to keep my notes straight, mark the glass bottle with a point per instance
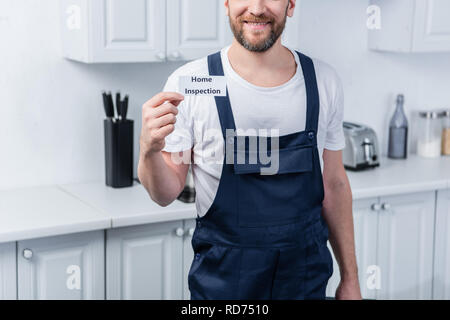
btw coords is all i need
(398, 132)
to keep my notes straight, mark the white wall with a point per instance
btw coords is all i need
(51, 128)
(335, 31)
(51, 108)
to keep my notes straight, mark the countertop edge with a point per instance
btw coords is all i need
(396, 190)
(57, 230)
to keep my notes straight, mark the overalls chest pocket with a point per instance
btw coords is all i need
(294, 159)
(275, 192)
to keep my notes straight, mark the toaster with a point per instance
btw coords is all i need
(361, 150)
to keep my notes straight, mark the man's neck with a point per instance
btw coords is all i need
(277, 56)
(278, 61)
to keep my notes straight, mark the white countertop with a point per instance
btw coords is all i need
(45, 211)
(401, 176)
(129, 206)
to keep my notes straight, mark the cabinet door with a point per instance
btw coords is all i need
(196, 28)
(365, 220)
(145, 262)
(62, 267)
(432, 26)
(441, 277)
(127, 31)
(8, 276)
(188, 255)
(405, 246)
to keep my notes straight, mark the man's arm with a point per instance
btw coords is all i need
(337, 211)
(162, 178)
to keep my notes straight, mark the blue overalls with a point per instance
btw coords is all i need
(264, 236)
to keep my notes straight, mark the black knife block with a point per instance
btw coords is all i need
(118, 153)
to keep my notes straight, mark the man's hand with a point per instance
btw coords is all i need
(162, 179)
(158, 119)
(348, 290)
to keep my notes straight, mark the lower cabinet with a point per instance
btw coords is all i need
(441, 276)
(405, 246)
(8, 276)
(394, 241)
(62, 267)
(147, 262)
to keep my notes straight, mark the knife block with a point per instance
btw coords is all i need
(118, 153)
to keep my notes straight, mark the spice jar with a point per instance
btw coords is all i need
(430, 135)
(445, 116)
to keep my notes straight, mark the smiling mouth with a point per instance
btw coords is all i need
(257, 25)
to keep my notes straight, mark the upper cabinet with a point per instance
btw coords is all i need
(113, 30)
(196, 28)
(412, 26)
(142, 30)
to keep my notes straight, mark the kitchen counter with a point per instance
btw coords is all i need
(46, 211)
(401, 176)
(129, 206)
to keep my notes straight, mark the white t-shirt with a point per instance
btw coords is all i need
(257, 110)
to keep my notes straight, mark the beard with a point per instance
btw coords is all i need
(262, 45)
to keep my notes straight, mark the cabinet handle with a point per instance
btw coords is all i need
(375, 207)
(27, 254)
(386, 206)
(161, 56)
(175, 55)
(179, 232)
(191, 231)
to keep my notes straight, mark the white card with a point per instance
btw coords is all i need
(203, 86)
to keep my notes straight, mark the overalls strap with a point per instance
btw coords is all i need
(312, 93)
(223, 103)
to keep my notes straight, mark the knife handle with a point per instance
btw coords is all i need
(118, 104)
(124, 108)
(110, 105)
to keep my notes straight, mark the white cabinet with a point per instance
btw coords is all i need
(405, 242)
(441, 276)
(8, 290)
(412, 26)
(142, 30)
(113, 30)
(145, 262)
(196, 28)
(394, 241)
(62, 267)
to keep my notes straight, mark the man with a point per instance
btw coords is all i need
(258, 236)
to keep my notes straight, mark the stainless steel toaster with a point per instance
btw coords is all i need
(362, 149)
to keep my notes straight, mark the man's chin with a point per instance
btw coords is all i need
(256, 39)
(257, 46)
